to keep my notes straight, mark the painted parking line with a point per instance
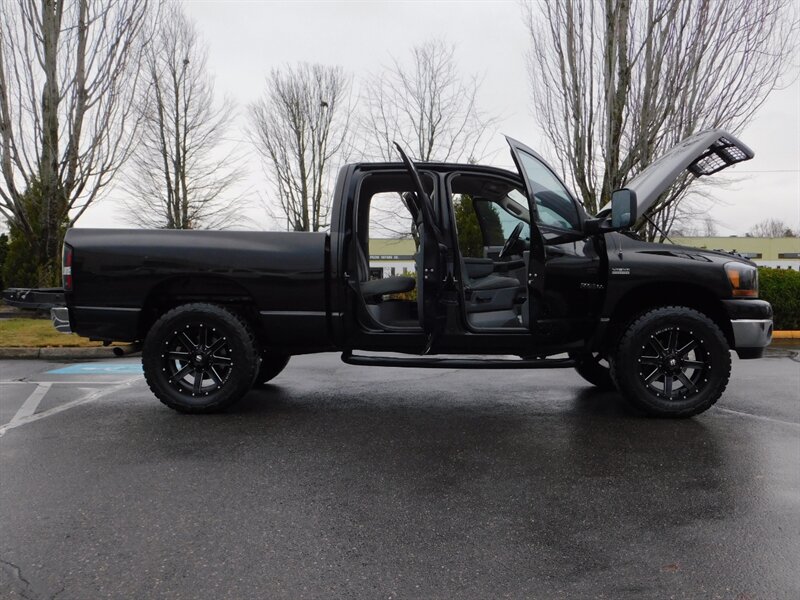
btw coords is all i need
(106, 391)
(99, 369)
(70, 382)
(31, 403)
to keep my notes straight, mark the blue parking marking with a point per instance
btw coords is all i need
(99, 369)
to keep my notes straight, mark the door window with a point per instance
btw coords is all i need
(554, 203)
(498, 223)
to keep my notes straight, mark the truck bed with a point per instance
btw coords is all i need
(120, 274)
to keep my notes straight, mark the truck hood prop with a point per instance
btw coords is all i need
(704, 153)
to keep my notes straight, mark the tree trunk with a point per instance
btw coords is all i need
(48, 238)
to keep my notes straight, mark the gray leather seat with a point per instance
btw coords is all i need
(487, 282)
(492, 282)
(490, 298)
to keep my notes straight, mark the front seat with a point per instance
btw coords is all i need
(487, 281)
(490, 299)
(372, 290)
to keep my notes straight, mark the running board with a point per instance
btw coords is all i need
(456, 363)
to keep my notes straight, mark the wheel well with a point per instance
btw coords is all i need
(647, 297)
(176, 291)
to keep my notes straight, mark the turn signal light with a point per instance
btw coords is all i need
(743, 279)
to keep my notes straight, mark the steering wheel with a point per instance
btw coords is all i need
(511, 241)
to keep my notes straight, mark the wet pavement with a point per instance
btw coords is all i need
(355, 482)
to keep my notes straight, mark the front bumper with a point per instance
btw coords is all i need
(752, 333)
(751, 323)
(60, 317)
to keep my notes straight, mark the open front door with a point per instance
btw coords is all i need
(536, 263)
(431, 260)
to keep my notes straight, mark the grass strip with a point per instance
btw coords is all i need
(38, 333)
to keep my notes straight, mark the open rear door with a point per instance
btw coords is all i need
(536, 267)
(431, 260)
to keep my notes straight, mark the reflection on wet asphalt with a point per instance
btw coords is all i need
(354, 482)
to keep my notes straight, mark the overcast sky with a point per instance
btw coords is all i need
(247, 39)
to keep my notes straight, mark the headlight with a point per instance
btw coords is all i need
(743, 278)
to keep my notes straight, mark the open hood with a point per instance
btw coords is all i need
(704, 153)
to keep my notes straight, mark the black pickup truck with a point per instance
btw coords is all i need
(546, 285)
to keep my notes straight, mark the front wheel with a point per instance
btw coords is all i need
(672, 362)
(199, 358)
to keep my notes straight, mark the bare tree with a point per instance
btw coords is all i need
(68, 77)
(428, 107)
(771, 228)
(180, 177)
(617, 83)
(301, 128)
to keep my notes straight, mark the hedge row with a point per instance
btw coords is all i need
(781, 288)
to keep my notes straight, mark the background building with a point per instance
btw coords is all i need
(392, 257)
(783, 253)
(396, 257)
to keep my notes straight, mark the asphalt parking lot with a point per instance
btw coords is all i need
(355, 482)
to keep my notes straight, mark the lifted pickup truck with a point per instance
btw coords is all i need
(219, 312)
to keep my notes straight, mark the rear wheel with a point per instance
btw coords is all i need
(672, 362)
(199, 358)
(594, 369)
(271, 366)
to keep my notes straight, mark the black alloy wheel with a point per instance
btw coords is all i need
(672, 362)
(199, 358)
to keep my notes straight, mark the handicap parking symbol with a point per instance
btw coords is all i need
(99, 369)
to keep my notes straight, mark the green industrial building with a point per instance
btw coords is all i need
(783, 253)
(396, 256)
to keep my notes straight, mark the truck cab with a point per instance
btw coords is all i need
(528, 277)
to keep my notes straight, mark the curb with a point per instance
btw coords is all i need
(62, 353)
(786, 335)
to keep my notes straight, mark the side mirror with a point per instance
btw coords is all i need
(623, 209)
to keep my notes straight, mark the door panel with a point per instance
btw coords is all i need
(575, 288)
(431, 261)
(570, 284)
(537, 256)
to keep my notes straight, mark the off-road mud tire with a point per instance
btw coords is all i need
(706, 367)
(233, 363)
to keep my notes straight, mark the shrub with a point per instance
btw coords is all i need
(781, 288)
(34, 251)
(20, 265)
(412, 295)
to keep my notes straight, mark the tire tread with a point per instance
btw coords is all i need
(221, 313)
(625, 342)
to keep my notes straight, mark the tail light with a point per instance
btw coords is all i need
(66, 269)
